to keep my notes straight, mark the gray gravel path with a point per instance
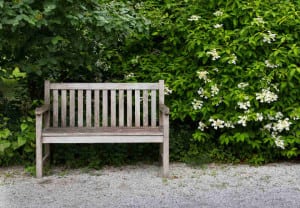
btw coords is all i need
(273, 185)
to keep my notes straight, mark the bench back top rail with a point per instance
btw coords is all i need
(104, 104)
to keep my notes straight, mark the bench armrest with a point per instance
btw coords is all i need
(44, 108)
(164, 109)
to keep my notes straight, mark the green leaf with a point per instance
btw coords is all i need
(4, 145)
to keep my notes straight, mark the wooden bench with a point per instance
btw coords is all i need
(102, 113)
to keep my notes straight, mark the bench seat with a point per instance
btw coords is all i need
(103, 135)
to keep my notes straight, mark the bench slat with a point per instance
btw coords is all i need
(121, 108)
(63, 108)
(137, 108)
(96, 108)
(55, 108)
(113, 108)
(104, 86)
(80, 108)
(104, 139)
(72, 108)
(153, 108)
(104, 108)
(129, 108)
(88, 105)
(145, 107)
(85, 131)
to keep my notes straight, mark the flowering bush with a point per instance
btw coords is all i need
(233, 68)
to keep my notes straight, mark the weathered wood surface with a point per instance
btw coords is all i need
(103, 113)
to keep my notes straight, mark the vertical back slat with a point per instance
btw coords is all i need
(113, 107)
(104, 108)
(153, 108)
(55, 108)
(72, 108)
(47, 100)
(80, 108)
(63, 108)
(88, 105)
(145, 107)
(161, 99)
(96, 108)
(129, 108)
(121, 108)
(137, 108)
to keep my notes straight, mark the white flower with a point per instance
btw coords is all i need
(279, 115)
(218, 13)
(270, 65)
(214, 90)
(215, 69)
(216, 26)
(201, 126)
(279, 142)
(194, 18)
(243, 120)
(197, 104)
(242, 85)
(295, 118)
(217, 123)
(259, 117)
(268, 126)
(282, 125)
(129, 75)
(214, 54)
(244, 105)
(229, 124)
(266, 96)
(167, 91)
(202, 74)
(233, 59)
(269, 37)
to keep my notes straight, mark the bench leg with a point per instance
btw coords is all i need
(165, 159)
(39, 160)
(39, 148)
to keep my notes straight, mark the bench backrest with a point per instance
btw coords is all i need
(104, 104)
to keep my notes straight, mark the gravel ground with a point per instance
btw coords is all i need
(273, 185)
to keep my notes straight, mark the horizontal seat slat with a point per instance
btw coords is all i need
(102, 131)
(104, 86)
(103, 139)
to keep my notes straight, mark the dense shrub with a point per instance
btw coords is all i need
(232, 67)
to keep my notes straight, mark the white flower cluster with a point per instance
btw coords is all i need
(167, 90)
(266, 96)
(278, 141)
(203, 75)
(201, 93)
(214, 54)
(295, 118)
(242, 85)
(194, 18)
(229, 124)
(243, 120)
(279, 126)
(282, 125)
(270, 65)
(218, 13)
(217, 123)
(269, 37)
(197, 104)
(259, 117)
(216, 26)
(233, 59)
(277, 116)
(244, 105)
(214, 90)
(201, 126)
(130, 75)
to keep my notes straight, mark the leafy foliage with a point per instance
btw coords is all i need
(233, 66)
